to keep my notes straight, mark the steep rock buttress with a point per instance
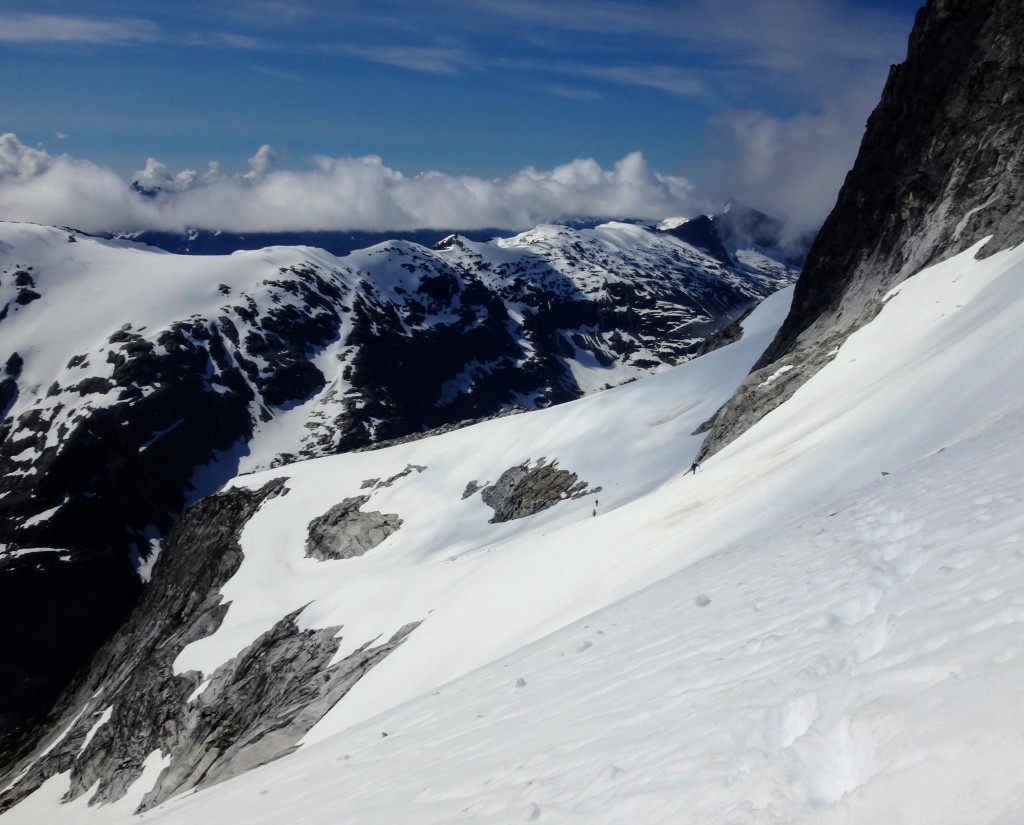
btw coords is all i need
(940, 167)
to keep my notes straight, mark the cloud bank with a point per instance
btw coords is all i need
(790, 167)
(337, 193)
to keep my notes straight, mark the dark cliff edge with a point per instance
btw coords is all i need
(940, 168)
(130, 703)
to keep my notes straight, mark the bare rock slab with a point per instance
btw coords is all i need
(523, 490)
(345, 531)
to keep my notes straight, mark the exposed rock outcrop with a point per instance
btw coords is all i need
(941, 166)
(725, 336)
(345, 531)
(523, 490)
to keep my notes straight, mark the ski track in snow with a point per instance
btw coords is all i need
(831, 630)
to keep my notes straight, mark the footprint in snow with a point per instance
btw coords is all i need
(859, 608)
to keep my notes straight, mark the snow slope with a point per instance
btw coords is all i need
(517, 580)
(822, 626)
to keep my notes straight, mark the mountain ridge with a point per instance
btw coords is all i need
(938, 169)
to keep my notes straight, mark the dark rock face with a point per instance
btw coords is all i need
(725, 336)
(202, 554)
(76, 602)
(742, 227)
(9, 383)
(345, 531)
(100, 482)
(257, 707)
(703, 234)
(402, 361)
(939, 168)
(524, 490)
(252, 709)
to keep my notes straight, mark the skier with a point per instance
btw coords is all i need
(693, 468)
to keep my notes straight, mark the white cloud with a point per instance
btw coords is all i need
(670, 79)
(232, 40)
(21, 162)
(338, 193)
(790, 167)
(572, 92)
(262, 163)
(52, 28)
(786, 38)
(55, 189)
(156, 175)
(430, 59)
(284, 74)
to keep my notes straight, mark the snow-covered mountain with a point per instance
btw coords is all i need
(136, 381)
(736, 227)
(822, 626)
(340, 243)
(544, 617)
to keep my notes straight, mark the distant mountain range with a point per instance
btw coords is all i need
(211, 242)
(737, 226)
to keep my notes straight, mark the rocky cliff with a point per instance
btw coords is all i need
(940, 168)
(131, 703)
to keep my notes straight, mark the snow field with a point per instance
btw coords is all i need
(517, 580)
(856, 667)
(822, 626)
(854, 657)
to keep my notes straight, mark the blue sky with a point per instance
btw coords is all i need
(734, 96)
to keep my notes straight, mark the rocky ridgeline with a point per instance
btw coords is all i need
(940, 168)
(524, 490)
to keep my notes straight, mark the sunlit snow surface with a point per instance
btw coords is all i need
(822, 626)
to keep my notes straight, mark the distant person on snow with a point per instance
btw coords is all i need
(693, 468)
